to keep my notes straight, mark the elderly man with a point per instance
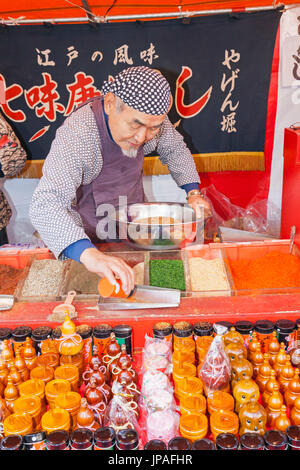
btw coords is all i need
(97, 156)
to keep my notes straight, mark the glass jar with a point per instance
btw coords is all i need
(104, 438)
(30, 404)
(54, 388)
(293, 437)
(203, 444)
(86, 333)
(179, 443)
(183, 337)
(56, 419)
(81, 439)
(203, 328)
(57, 440)
(155, 444)
(286, 332)
(252, 441)
(245, 328)
(275, 440)
(123, 335)
(227, 441)
(127, 439)
(36, 441)
(264, 330)
(101, 338)
(19, 335)
(18, 423)
(40, 334)
(12, 442)
(163, 330)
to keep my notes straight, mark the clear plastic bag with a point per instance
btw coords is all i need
(216, 371)
(157, 355)
(122, 412)
(162, 425)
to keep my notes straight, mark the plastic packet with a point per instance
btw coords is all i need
(122, 411)
(216, 371)
(163, 425)
(154, 380)
(157, 355)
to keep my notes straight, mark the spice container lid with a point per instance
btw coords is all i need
(105, 437)
(285, 325)
(275, 439)
(122, 331)
(227, 441)
(13, 442)
(203, 444)
(244, 327)
(293, 435)
(85, 331)
(298, 321)
(155, 444)
(18, 423)
(5, 333)
(56, 332)
(127, 439)
(162, 329)
(179, 443)
(57, 439)
(264, 326)
(203, 328)
(182, 329)
(35, 437)
(102, 331)
(20, 333)
(227, 324)
(252, 441)
(81, 438)
(41, 333)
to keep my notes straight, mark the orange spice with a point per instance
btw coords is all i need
(274, 270)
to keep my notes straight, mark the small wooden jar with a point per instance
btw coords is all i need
(32, 405)
(54, 388)
(18, 423)
(56, 419)
(70, 373)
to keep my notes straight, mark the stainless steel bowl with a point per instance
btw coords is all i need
(158, 225)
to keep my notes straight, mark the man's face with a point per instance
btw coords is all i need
(130, 128)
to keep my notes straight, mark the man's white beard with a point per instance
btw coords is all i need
(131, 153)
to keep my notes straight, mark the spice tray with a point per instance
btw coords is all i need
(39, 282)
(252, 251)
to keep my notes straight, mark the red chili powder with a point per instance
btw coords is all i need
(273, 270)
(9, 278)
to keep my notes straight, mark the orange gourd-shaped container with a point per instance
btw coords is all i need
(219, 400)
(69, 401)
(189, 387)
(10, 393)
(223, 421)
(70, 373)
(15, 376)
(282, 422)
(7, 352)
(56, 419)
(269, 387)
(253, 346)
(257, 359)
(113, 352)
(274, 348)
(286, 375)
(30, 404)
(192, 405)
(274, 405)
(280, 359)
(18, 423)
(3, 373)
(233, 336)
(264, 373)
(295, 412)
(85, 417)
(21, 366)
(29, 354)
(70, 342)
(54, 388)
(44, 373)
(293, 390)
(49, 359)
(193, 426)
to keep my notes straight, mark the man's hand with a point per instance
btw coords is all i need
(200, 205)
(110, 267)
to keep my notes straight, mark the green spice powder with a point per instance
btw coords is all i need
(167, 273)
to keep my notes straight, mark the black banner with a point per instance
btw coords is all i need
(218, 67)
